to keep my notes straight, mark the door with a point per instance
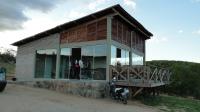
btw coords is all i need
(75, 67)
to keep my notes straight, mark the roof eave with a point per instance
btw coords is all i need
(90, 17)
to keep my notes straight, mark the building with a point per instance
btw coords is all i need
(83, 49)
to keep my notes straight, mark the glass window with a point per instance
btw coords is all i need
(45, 63)
(137, 59)
(88, 62)
(127, 58)
(120, 56)
(65, 63)
(113, 55)
(100, 62)
(123, 58)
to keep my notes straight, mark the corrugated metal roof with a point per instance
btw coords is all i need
(85, 19)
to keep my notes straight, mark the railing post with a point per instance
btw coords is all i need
(148, 72)
(128, 77)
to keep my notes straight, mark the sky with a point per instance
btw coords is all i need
(175, 24)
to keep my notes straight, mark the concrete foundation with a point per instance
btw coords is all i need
(94, 89)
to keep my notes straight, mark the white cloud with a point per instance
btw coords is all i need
(158, 39)
(197, 32)
(75, 14)
(196, 0)
(93, 5)
(180, 31)
(130, 3)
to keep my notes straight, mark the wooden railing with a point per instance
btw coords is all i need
(141, 76)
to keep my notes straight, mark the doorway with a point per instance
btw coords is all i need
(75, 67)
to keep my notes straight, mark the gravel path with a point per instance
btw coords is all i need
(18, 98)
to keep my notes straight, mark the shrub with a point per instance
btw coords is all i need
(185, 79)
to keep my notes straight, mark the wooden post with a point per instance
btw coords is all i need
(131, 50)
(144, 58)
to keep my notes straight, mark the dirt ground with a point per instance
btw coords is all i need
(18, 98)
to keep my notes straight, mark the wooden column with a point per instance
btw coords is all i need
(144, 58)
(131, 51)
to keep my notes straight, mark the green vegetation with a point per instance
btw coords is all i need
(172, 103)
(10, 67)
(185, 79)
(7, 60)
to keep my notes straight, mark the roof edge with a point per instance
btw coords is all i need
(86, 18)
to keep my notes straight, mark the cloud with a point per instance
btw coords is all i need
(197, 32)
(158, 40)
(73, 14)
(12, 11)
(196, 0)
(94, 4)
(97, 4)
(180, 31)
(130, 3)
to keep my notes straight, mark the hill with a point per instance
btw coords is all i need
(10, 68)
(185, 79)
(7, 60)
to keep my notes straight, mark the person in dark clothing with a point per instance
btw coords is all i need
(77, 70)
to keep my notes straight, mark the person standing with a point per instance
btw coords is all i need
(77, 70)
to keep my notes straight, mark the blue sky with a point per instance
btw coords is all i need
(174, 23)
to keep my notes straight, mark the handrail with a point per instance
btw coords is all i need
(140, 74)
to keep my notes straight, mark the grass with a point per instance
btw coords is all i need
(172, 103)
(10, 68)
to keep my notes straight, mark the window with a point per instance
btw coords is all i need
(65, 63)
(88, 62)
(120, 56)
(123, 57)
(137, 59)
(45, 63)
(118, 53)
(127, 58)
(113, 55)
(100, 62)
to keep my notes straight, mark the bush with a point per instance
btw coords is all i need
(7, 57)
(185, 79)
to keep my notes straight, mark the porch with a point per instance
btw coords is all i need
(140, 76)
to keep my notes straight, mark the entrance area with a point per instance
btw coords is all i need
(85, 63)
(75, 63)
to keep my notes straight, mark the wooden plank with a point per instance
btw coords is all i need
(138, 91)
(95, 30)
